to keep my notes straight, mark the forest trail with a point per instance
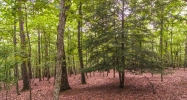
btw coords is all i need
(137, 87)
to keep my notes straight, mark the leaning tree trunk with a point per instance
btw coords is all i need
(83, 81)
(60, 52)
(25, 77)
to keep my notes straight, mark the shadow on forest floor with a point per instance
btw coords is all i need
(137, 87)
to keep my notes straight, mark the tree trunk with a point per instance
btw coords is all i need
(29, 46)
(46, 68)
(23, 51)
(171, 46)
(121, 73)
(161, 42)
(83, 81)
(60, 54)
(74, 69)
(64, 78)
(15, 52)
(185, 56)
(29, 55)
(39, 57)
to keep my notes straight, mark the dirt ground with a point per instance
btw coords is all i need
(99, 87)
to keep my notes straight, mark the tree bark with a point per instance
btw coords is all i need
(60, 53)
(29, 46)
(29, 55)
(171, 46)
(39, 57)
(15, 52)
(185, 55)
(121, 73)
(25, 77)
(161, 40)
(46, 68)
(64, 77)
(83, 81)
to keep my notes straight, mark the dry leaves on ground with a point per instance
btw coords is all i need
(99, 87)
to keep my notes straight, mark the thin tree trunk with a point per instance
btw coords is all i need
(15, 52)
(152, 48)
(161, 42)
(180, 57)
(185, 55)
(39, 57)
(171, 46)
(121, 73)
(29, 45)
(25, 77)
(29, 56)
(74, 69)
(116, 51)
(46, 68)
(83, 81)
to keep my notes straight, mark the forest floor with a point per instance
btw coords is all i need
(99, 87)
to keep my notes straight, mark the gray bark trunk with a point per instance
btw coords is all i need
(60, 51)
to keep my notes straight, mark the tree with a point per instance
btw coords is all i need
(39, 56)
(64, 78)
(29, 44)
(83, 81)
(121, 72)
(119, 32)
(15, 50)
(60, 51)
(24, 73)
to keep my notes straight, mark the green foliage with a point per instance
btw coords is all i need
(104, 39)
(101, 39)
(7, 63)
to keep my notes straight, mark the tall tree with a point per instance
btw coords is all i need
(25, 77)
(60, 51)
(185, 54)
(46, 72)
(161, 38)
(15, 50)
(83, 81)
(29, 43)
(121, 72)
(64, 77)
(39, 56)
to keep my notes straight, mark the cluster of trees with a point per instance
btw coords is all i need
(45, 38)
